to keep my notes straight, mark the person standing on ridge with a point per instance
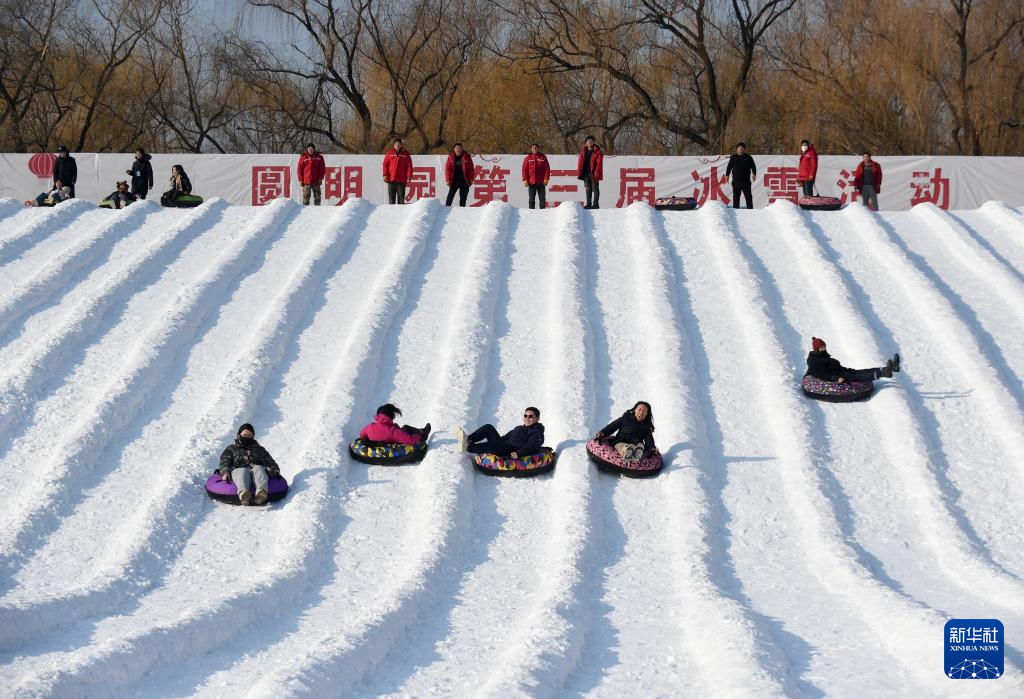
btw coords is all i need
(867, 179)
(397, 171)
(141, 173)
(458, 174)
(536, 173)
(311, 174)
(590, 169)
(808, 170)
(65, 170)
(744, 171)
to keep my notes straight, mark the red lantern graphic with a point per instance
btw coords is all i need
(41, 165)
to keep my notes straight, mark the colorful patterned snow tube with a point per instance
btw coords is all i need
(819, 203)
(604, 456)
(836, 392)
(387, 453)
(523, 467)
(226, 491)
(675, 204)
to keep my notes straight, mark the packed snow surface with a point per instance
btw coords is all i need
(789, 548)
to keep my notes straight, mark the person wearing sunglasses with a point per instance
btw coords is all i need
(525, 440)
(632, 434)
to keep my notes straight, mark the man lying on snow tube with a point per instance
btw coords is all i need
(247, 473)
(626, 445)
(818, 203)
(827, 379)
(519, 452)
(675, 203)
(384, 443)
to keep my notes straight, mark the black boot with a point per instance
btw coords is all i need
(425, 431)
(884, 372)
(895, 362)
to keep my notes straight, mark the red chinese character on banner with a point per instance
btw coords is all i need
(489, 185)
(930, 188)
(633, 185)
(421, 185)
(270, 182)
(555, 188)
(845, 182)
(710, 186)
(337, 186)
(781, 183)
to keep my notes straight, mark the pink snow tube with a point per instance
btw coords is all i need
(605, 457)
(819, 203)
(226, 491)
(494, 465)
(836, 392)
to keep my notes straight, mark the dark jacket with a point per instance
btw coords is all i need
(525, 440)
(239, 456)
(142, 174)
(66, 170)
(127, 196)
(182, 185)
(821, 365)
(741, 167)
(629, 430)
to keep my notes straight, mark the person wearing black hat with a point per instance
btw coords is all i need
(245, 461)
(744, 171)
(65, 170)
(822, 366)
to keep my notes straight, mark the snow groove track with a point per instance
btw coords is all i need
(790, 548)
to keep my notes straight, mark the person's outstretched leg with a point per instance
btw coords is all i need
(485, 433)
(243, 481)
(259, 474)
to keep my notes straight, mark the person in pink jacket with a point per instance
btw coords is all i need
(384, 430)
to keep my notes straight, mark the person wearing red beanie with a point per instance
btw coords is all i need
(822, 366)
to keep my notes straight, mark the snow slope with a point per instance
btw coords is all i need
(790, 548)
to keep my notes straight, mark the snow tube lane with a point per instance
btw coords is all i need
(226, 491)
(523, 467)
(607, 459)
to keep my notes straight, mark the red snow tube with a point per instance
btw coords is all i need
(604, 456)
(819, 203)
(833, 392)
(226, 491)
(524, 466)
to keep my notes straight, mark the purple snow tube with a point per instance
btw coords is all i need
(833, 392)
(604, 456)
(226, 491)
(819, 203)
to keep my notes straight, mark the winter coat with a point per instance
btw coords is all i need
(536, 169)
(142, 174)
(468, 171)
(628, 429)
(66, 170)
(397, 166)
(181, 184)
(596, 164)
(383, 429)
(808, 166)
(741, 167)
(127, 196)
(858, 176)
(237, 455)
(525, 440)
(311, 168)
(823, 366)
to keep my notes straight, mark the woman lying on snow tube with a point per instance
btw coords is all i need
(383, 443)
(520, 452)
(827, 379)
(675, 203)
(243, 462)
(819, 203)
(626, 445)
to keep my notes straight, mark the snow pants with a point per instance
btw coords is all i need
(243, 477)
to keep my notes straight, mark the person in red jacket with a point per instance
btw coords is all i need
(868, 181)
(458, 174)
(590, 169)
(384, 430)
(536, 173)
(808, 167)
(397, 171)
(311, 174)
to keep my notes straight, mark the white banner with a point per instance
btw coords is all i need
(947, 181)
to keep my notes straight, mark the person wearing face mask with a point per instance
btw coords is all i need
(245, 461)
(632, 434)
(808, 170)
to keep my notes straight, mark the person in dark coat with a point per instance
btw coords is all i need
(525, 440)
(458, 174)
(808, 170)
(121, 197)
(141, 174)
(744, 171)
(65, 170)
(823, 366)
(244, 461)
(536, 173)
(632, 434)
(180, 184)
(590, 169)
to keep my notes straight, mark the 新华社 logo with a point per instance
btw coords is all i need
(974, 649)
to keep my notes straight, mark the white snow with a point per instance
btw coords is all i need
(789, 548)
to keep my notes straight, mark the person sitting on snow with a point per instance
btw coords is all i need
(632, 434)
(384, 431)
(55, 196)
(122, 197)
(525, 440)
(245, 460)
(822, 366)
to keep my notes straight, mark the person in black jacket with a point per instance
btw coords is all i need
(122, 197)
(180, 184)
(743, 171)
(65, 170)
(245, 460)
(524, 440)
(822, 366)
(141, 173)
(633, 433)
